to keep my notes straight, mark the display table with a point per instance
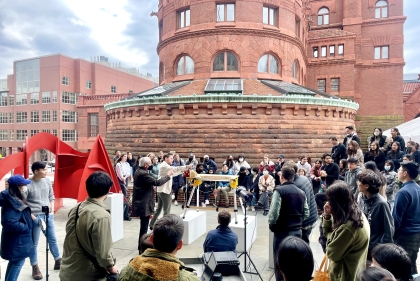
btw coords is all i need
(239, 229)
(114, 202)
(194, 225)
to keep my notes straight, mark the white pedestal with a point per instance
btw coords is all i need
(239, 229)
(115, 204)
(194, 225)
(270, 249)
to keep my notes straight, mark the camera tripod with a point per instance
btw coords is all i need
(245, 252)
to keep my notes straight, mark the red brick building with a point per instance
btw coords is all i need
(230, 50)
(411, 97)
(63, 96)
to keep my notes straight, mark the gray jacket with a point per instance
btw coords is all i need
(391, 185)
(351, 179)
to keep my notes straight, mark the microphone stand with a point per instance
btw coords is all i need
(245, 252)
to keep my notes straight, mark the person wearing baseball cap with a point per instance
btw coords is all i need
(208, 163)
(16, 235)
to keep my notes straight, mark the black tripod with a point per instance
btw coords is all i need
(46, 211)
(245, 252)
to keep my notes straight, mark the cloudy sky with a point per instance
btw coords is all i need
(121, 30)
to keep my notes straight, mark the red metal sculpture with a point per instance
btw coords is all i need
(72, 167)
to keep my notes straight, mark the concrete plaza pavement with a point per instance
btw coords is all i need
(125, 249)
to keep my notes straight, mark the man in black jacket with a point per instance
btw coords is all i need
(305, 185)
(350, 135)
(338, 150)
(332, 172)
(143, 200)
(287, 211)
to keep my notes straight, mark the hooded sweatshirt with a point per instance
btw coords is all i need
(154, 265)
(378, 214)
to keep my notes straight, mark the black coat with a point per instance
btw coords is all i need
(379, 160)
(338, 152)
(143, 199)
(380, 139)
(354, 137)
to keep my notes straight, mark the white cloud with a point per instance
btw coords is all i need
(107, 21)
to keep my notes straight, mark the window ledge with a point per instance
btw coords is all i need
(183, 77)
(381, 61)
(184, 29)
(225, 24)
(272, 27)
(227, 74)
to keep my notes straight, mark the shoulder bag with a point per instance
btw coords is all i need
(323, 273)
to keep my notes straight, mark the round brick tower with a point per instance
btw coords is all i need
(231, 82)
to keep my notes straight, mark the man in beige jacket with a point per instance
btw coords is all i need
(164, 190)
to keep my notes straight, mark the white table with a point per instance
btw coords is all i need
(115, 203)
(194, 225)
(239, 229)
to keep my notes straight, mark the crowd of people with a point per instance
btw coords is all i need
(368, 205)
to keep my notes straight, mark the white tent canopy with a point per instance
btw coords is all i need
(409, 130)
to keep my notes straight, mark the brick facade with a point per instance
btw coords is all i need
(349, 31)
(52, 69)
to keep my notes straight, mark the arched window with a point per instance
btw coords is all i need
(268, 63)
(295, 70)
(323, 16)
(185, 66)
(381, 9)
(225, 61)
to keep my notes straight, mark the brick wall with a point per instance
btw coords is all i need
(219, 132)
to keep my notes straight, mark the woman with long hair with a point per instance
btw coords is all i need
(16, 236)
(230, 163)
(376, 155)
(347, 231)
(378, 138)
(316, 176)
(395, 154)
(376, 210)
(123, 171)
(343, 164)
(354, 151)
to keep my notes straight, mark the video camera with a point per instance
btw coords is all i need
(244, 194)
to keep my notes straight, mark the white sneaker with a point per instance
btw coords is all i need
(176, 203)
(252, 209)
(249, 208)
(207, 202)
(203, 204)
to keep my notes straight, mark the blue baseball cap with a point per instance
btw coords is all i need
(18, 180)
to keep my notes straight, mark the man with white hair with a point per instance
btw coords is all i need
(143, 200)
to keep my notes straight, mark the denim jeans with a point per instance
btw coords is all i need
(13, 269)
(52, 239)
(264, 199)
(278, 237)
